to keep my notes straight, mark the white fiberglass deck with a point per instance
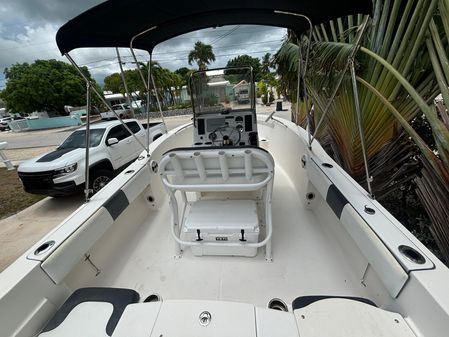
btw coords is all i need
(306, 261)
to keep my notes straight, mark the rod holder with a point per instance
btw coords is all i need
(223, 165)
(198, 158)
(248, 164)
(177, 166)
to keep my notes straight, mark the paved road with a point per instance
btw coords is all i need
(20, 231)
(33, 139)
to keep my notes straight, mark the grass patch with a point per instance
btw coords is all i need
(13, 198)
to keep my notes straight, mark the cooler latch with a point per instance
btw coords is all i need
(242, 232)
(198, 232)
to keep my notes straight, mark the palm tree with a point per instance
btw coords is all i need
(400, 71)
(164, 80)
(266, 63)
(202, 54)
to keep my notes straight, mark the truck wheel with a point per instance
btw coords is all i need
(99, 179)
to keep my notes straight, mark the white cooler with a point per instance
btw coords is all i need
(222, 221)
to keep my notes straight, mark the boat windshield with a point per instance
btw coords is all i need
(222, 90)
(78, 139)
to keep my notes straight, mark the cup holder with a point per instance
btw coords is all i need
(369, 210)
(154, 166)
(153, 298)
(412, 254)
(44, 248)
(277, 304)
(310, 196)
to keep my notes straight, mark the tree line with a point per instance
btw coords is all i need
(49, 85)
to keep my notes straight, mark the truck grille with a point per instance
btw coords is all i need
(36, 180)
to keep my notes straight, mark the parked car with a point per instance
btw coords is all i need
(123, 110)
(112, 148)
(243, 96)
(4, 123)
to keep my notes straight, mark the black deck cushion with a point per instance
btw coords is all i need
(304, 301)
(118, 297)
(117, 204)
(336, 200)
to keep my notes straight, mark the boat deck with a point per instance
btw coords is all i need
(306, 261)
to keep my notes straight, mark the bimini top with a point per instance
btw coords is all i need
(115, 22)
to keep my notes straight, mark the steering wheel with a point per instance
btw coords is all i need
(230, 135)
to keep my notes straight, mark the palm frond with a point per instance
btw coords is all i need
(403, 65)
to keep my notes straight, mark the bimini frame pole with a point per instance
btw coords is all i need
(87, 189)
(298, 82)
(350, 65)
(156, 94)
(351, 60)
(303, 72)
(342, 76)
(125, 84)
(67, 55)
(146, 84)
(148, 105)
(91, 88)
(134, 55)
(369, 179)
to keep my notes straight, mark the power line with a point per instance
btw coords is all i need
(221, 47)
(206, 33)
(225, 35)
(181, 59)
(222, 55)
(182, 51)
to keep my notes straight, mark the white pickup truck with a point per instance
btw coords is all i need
(122, 110)
(112, 148)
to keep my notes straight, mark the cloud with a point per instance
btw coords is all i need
(29, 34)
(44, 11)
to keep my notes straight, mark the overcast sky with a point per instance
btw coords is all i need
(28, 29)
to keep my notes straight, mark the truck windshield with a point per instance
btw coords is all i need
(78, 139)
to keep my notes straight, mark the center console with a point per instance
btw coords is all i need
(238, 128)
(224, 109)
